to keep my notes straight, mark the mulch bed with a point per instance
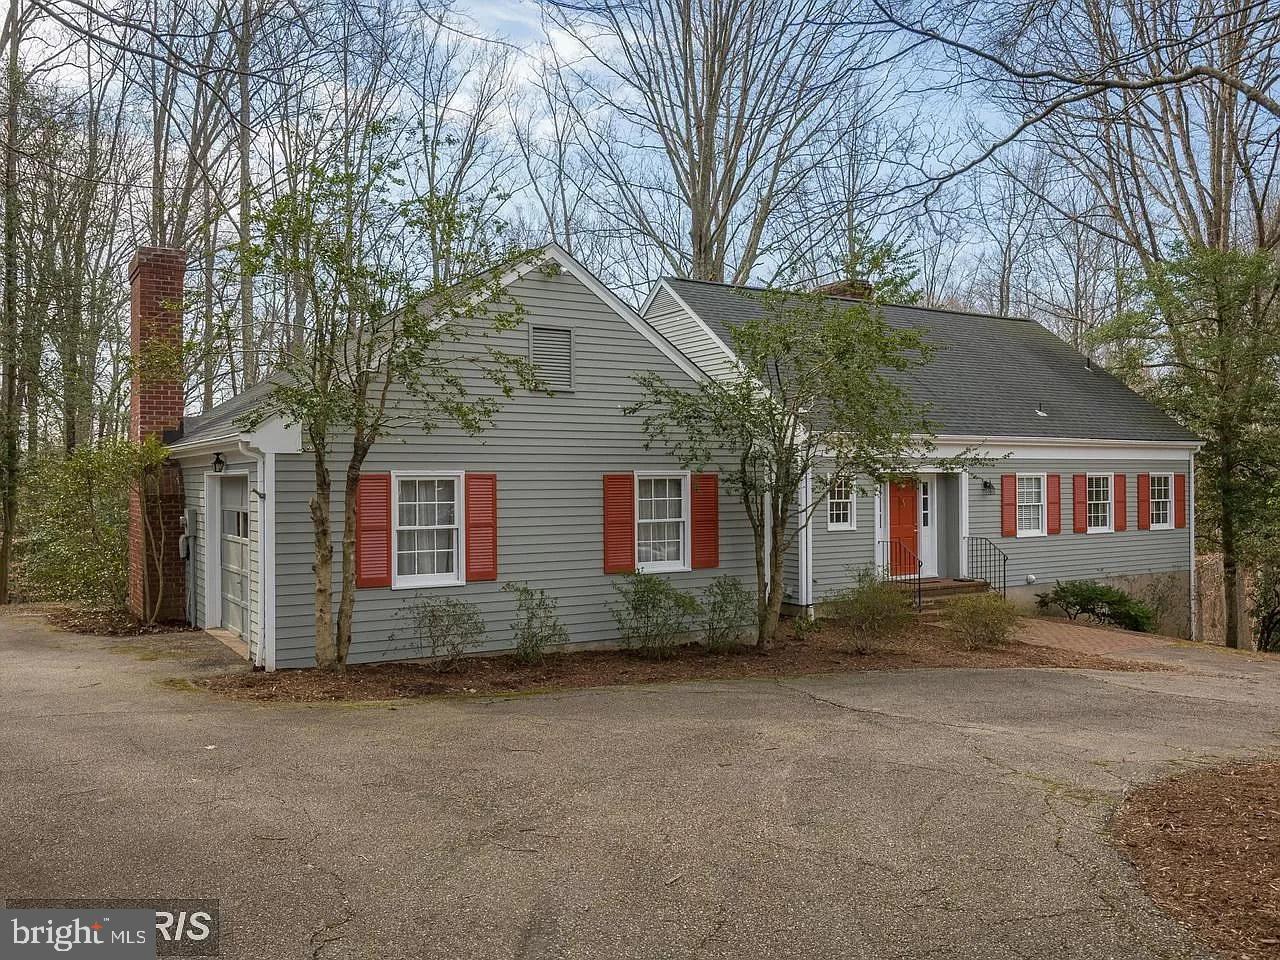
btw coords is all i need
(107, 623)
(822, 651)
(1207, 848)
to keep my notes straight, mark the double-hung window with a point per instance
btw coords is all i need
(1098, 502)
(428, 529)
(1161, 501)
(1031, 505)
(841, 506)
(662, 522)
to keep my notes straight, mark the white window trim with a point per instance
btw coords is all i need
(1111, 503)
(1044, 506)
(852, 500)
(664, 566)
(419, 580)
(1151, 501)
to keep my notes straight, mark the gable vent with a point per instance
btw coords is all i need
(663, 302)
(551, 352)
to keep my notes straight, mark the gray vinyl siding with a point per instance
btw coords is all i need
(1063, 556)
(193, 485)
(947, 518)
(1074, 556)
(549, 454)
(791, 565)
(839, 554)
(687, 335)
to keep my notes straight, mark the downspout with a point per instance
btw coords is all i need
(1191, 527)
(805, 546)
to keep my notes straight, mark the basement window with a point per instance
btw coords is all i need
(551, 353)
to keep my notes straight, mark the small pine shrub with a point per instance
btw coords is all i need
(871, 610)
(653, 614)
(1100, 603)
(444, 629)
(981, 619)
(728, 610)
(536, 626)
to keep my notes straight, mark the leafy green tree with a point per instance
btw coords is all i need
(814, 396)
(74, 539)
(887, 267)
(385, 344)
(1204, 343)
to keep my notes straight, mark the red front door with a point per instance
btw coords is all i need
(904, 528)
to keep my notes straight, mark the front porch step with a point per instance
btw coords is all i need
(937, 590)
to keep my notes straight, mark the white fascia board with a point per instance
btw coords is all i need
(566, 261)
(610, 299)
(273, 435)
(653, 292)
(723, 347)
(223, 442)
(1040, 448)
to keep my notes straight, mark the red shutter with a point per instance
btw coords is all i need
(1008, 505)
(482, 526)
(1079, 504)
(704, 528)
(1053, 497)
(1144, 501)
(1120, 502)
(1180, 500)
(619, 523)
(373, 530)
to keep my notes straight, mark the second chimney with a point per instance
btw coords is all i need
(852, 289)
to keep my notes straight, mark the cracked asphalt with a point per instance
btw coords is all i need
(949, 813)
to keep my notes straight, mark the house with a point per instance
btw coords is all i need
(1083, 478)
(562, 493)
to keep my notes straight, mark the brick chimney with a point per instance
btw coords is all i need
(157, 576)
(852, 289)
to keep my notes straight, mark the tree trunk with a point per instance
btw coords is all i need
(1236, 621)
(347, 603)
(209, 333)
(326, 639)
(9, 467)
(773, 609)
(248, 346)
(1233, 601)
(762, 587)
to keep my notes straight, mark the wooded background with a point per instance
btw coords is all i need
(1045, 159)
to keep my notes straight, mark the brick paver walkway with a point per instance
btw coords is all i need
(1086, 638)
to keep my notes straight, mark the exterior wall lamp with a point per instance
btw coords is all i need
(218, 463)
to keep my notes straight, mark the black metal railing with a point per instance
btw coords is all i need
(899, 562)
(987, 562)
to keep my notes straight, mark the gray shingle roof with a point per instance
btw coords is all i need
(987, 375)
(221, 419)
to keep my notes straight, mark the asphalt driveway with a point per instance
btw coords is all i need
(952, 813)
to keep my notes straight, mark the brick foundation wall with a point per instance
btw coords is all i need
(157, 576)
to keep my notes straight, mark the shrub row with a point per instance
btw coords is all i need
(653, 617)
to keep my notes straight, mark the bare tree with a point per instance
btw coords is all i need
(1008, 217)
(702, 116)
(458, 89)
(1187, 166)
